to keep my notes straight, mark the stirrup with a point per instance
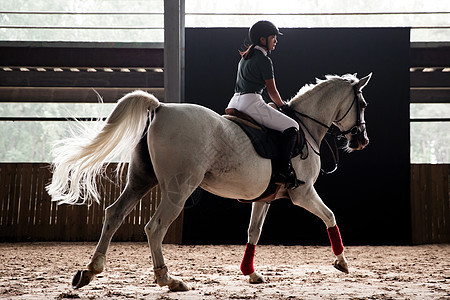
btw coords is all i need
(289, 181)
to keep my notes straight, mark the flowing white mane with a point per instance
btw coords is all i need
(306, 90)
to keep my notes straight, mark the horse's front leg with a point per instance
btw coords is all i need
(310, 200)
(259, 212)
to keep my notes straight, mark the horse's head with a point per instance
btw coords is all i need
(351, 120)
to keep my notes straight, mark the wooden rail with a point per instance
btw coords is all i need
(72, 71)
(28, 214)
(430, 207)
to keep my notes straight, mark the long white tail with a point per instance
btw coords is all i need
(80, 159)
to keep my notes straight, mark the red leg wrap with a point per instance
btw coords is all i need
(335, 239)
(247, 262)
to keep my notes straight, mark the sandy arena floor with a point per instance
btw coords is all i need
(45, 270)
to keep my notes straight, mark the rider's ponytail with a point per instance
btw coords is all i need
(247, 54)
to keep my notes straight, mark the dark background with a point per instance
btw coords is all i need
(370, 191)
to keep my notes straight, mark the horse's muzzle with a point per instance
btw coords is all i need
(358, 141)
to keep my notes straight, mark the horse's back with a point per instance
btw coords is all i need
(195, 138)
(188, 122)
(182, 128)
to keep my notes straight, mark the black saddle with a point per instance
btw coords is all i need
(267, 143)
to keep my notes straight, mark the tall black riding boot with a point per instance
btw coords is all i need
(287, 174)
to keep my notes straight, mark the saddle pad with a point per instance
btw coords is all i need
(265, 141)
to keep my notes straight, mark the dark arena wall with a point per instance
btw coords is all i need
(370, 192)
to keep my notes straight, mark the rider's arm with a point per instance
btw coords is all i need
(273, 92)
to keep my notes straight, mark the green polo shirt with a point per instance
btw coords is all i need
(253, 72)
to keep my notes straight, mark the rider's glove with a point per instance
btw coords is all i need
(287, 110)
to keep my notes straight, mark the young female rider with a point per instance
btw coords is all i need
(255, 73)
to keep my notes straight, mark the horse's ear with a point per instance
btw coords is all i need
(363, 82)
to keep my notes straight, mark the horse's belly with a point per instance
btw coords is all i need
(246, 180)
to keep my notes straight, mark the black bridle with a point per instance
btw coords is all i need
(335, 132)
(356, 129)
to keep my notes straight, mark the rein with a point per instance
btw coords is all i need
(331, 131)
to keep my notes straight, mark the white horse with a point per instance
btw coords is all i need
(187, 146)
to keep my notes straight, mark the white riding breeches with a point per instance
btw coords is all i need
(253, 105)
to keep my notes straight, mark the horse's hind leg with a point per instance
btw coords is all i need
(259, 212)
(141, 178)
(174, 193)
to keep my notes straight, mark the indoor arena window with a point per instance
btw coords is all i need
(430, 133)
(142, 21)
(28, 130)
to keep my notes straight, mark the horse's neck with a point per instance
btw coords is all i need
(321, 104)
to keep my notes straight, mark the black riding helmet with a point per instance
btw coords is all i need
(262, 29)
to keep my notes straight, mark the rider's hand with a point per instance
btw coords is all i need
(287, 110)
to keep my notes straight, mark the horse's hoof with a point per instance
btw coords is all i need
(256, 278)
(82, 278)
(178, 286)
(341, 266)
